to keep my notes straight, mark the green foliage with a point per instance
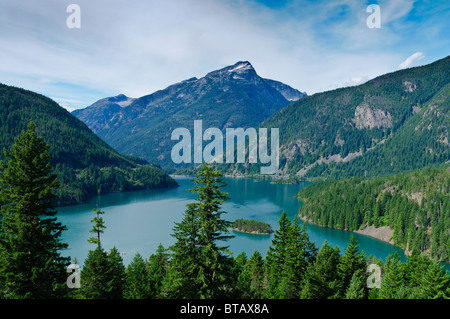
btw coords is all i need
(322, 280)
(319, 129)
(199, 264)
(353, 266)
(85, 165)
(137, 286)
(30, 245)
(288, 258)
(198, 267)
(98, 227)
(251, 226)
(103, 275)
(356, 289)
(415, 205)
(146, 279)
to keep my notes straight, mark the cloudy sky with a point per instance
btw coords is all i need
(136, 47)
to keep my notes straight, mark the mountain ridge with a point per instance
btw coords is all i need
(370, 124)
(86, 165)
(233, 96)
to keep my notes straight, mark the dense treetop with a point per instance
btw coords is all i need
(85, 164)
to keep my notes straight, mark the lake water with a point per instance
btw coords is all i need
(139, 221)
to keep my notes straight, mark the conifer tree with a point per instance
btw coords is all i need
(356, 288)
(137, 279)
(116, 273)
(299, 253)
(393, 283)
(322, 280)
(242, 274)
(98, 228)
(30, 236)
(276, 255)
(103, 274)
(353, 262)
(157, 271)
(256, 270)
(435, 283)
(415, 268)
(183, 278)
(95, 276)
(201, 267)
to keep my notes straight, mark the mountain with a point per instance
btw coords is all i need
(235, 96)
(410, 210)
(85, 164)
(393, 123)
(103, 110)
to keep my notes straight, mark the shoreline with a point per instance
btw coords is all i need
(250, 233)
(382, 233)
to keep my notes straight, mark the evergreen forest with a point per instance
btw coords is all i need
(415, 205)
(198, 265)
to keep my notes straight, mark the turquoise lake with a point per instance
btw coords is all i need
(138, 221)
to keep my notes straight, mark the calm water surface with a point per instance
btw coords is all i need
(139, 221)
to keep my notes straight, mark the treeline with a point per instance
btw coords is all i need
(293, 269)
(79, 185)
(251, 226)
(416, 205)
(85, 165)
(196, 265)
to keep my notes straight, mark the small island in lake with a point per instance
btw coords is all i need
(251, 227)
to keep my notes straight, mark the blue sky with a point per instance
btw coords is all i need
(137, 47)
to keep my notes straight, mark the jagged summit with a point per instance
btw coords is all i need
(239, 67)
(122, 100)
(233, 96)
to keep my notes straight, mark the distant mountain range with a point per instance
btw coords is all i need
(86, 165)
(235, 96)
(393, 123)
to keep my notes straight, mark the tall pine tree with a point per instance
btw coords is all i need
(103, 274)
(30, 236)
(353, 263)
(137, 279)
(276, 255)
(200, 267)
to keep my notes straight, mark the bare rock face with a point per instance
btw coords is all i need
(370, 117)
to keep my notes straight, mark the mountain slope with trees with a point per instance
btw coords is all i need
(393, 123)
(86, 166)
(414, 205)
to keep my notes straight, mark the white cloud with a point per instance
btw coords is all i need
(410, 60)
(137, 48)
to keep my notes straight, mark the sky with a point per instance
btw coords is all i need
(137, 47)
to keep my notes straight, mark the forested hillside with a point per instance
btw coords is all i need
(85, 165)
(414, 205)
(393, 123)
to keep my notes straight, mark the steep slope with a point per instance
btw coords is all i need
(413, 207)
(102, 111)
(85, 164)
(395, 122)
(235, 96)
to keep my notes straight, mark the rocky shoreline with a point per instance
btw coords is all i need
(383, 233)
(251, 233)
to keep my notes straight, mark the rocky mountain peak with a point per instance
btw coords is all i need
(240, 68)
